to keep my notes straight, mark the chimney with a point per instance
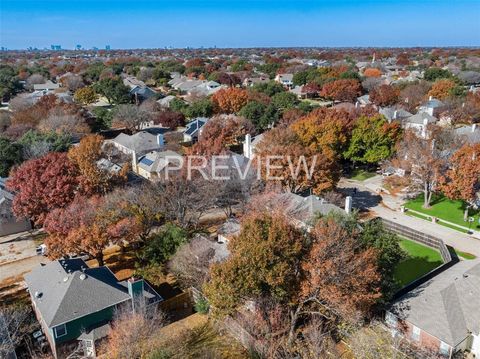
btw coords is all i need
(348, 204)
(160, 140)
(134, 161)
(430, 98)
(135, 290)
(247, 146)
(357, 104)
(474, 127)
(395, 114)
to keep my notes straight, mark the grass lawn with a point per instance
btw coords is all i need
(446, 209)
(361, 175)
(465, 255)
(421, 260)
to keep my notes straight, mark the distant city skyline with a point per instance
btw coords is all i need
(248, 23)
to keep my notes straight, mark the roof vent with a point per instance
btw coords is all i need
(83, 276)
(38, 294)
(465, 275)
(65, 279)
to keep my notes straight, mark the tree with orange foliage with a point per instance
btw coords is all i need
(324, 130)
(442, 89)
(229, 100)
(385, 95)
(221, 132)
(342, 90)
(299, 167)
(372, 72)
(86, 226)
(94, 180)
(462, 179)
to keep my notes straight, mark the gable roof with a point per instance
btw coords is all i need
(447, 305)
(194, 126)
(140, 142)
(420, 118)
(156, 161)
(65, 292)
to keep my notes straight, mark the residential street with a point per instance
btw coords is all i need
(388, 207)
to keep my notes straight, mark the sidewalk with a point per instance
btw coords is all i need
(389, 208)
(451, 237)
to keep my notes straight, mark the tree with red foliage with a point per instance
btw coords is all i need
(385, 95)
(168, 118)
(42, 185)
(229, 100)
(342, 90)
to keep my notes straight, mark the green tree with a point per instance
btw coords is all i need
(263, 262)
(10, 155)
(9, 84)
(268, 88)
(200, 108)
(254, 111)
(162, 245)
(284, 100)
(103, 119)
(373, 140)
(435, 73)
(113, 89)
(57, 142)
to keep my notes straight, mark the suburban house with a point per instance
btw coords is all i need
(394, 114)
(304, 210)
(47, 86)
(194, 129)
(470, 133)
(75, 304)
(165, 101)
(443, 313)
(9, 224)
(206, 88)
(433, 107)
(285, 79)
(154, 163)
(250, 81)
(138, 143)
(141, 94)
(419, 122)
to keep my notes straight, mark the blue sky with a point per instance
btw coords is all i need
(233, 23)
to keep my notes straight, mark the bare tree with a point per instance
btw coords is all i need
(16, 323)
(21, 102)
(134, 335)
(34, 80)
(61, 121)
(73, 82)
(191, 262)
(36, 149)
(129, 116)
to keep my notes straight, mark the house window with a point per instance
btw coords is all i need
(444, 348)
(391, 320)
(60, 331)
(415, 333)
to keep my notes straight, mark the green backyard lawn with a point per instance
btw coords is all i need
(421, 260)
(446, 209)
(361, 175)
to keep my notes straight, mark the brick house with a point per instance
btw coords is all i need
(442, 314)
